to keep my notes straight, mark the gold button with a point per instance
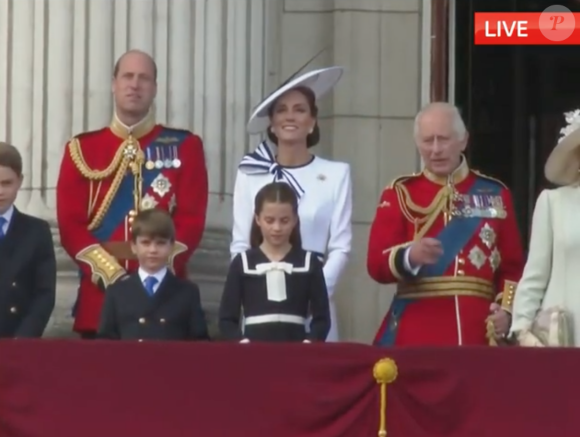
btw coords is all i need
(132, 213)
(130, 220)
(13, 310)
(461, 261)
(460, 273)
(161, 320)
(142, 320)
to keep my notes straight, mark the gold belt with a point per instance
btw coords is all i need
(446, 286)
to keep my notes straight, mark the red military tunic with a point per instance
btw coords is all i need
(98, 194)
(448, 303)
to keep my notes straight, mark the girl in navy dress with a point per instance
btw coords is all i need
(274, 286)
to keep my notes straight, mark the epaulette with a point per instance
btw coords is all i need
(401, 179)
(490, 178)
(174, 129)
(86, 135)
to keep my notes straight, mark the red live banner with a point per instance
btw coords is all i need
(514, 28)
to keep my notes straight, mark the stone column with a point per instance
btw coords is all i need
(229, 72)
(59, 91)
(55, 82)
(379, 41)
(17, 84)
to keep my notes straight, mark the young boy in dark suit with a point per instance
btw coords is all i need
(152, 304)
(27, 258)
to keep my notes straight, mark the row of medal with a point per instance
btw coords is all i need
(480, 206)
(160, 161)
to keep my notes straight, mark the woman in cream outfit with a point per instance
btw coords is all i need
(551, 277)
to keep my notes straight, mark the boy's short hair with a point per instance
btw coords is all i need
(153, 223)
(10, 157)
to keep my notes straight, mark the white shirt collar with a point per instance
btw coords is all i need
(160, 275)
(8, 215)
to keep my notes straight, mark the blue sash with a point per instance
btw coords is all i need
(165, 145)
(453, 237)
(459, 231)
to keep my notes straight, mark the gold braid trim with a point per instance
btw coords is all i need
(104, 267)
(428, 214)
(392, 251)
(108, 199)
(76, 154)
(491, 178)
(178, 249)
(506, 297)
(128, 155)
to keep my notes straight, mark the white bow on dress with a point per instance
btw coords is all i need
(275, 279)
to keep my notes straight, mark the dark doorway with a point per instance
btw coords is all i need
(513, 99)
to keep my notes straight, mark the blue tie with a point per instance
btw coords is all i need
(150, 282)
(3, 221)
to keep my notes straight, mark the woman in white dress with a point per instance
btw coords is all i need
(546, 308)
(324, 188)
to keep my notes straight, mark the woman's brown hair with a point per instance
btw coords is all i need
(312, 139)
(275, 192)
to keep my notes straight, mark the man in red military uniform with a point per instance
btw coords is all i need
(449, 238)
(107, 176)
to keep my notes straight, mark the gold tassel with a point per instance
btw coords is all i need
(490, 332)
(385, 372)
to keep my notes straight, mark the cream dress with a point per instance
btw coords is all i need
(551, 276)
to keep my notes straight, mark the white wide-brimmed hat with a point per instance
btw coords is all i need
(319, 81)
(563, 164)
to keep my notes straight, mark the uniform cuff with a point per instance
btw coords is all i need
(178, 248)
(396, 262)
(104, 267)
(506, 297)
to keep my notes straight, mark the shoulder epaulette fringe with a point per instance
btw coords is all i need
(401, 179)
(491, 178)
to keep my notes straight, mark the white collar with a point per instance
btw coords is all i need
(160, 275)
(8, 214)
(131, 129)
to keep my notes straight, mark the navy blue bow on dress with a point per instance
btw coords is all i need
(263, 161)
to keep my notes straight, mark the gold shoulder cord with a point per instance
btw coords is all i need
(129, 155)
(491, 178)
(428, 214)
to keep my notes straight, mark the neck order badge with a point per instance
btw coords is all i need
(556, 25)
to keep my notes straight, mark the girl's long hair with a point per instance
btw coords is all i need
(275, 192)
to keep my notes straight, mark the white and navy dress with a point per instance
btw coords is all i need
(270, 301)
(324, 190)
